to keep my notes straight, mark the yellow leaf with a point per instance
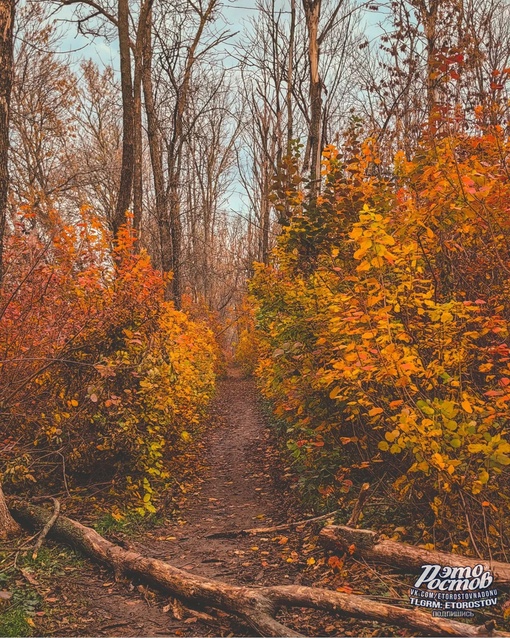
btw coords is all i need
(467, 406)
(365, 244)
(334, 393)
(375, 411)
(356, 233)
(484, 477)
(438, 460)
(365, 265)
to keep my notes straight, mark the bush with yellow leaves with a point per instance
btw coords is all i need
(383, 327)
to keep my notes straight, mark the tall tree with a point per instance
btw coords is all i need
(7, 525)
(124, 197)
(131, 46)
(317, 35)
(6, 62)
(312, 15)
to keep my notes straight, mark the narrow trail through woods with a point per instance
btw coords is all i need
(242, 486)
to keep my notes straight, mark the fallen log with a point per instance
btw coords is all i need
(255, 605)
(247, 603)
(366, 543)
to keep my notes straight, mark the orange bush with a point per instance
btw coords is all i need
(100, 379)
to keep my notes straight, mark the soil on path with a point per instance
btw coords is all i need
(243, 486)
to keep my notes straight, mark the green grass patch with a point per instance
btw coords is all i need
(129, 524)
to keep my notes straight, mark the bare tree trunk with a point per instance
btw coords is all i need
(8, 526)
(176, 230)
(265, 217)
(6, 62)
(127, 168)
(312, 14)
(429, 19)
(143, 31)
(174, 156)
(137, 146)
(290, 75)
(156, 152)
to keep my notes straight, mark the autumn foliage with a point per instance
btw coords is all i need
(383, 327)
(101, 381)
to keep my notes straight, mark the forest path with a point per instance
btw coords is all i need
(242, 486)
(238, 489)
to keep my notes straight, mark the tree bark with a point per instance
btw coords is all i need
(312, 14)
(429, 15)
(366, 544)
(175, 147)
(6, 63)
(290, 76)
(143, 32)
(8, 526)
(255, 605)
(137, 145)
(156, 152)
(128, 157)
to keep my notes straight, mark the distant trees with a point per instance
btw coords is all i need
(296, 74)
(183, 41)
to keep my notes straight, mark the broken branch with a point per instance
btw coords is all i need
(365, 543)
(269, 530)
(51, 521)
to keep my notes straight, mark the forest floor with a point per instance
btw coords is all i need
(243, 484)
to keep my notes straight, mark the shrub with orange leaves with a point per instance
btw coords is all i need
(383, 328)
(100, 379)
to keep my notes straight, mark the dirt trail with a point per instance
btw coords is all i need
(238, 490)
(243, 486)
